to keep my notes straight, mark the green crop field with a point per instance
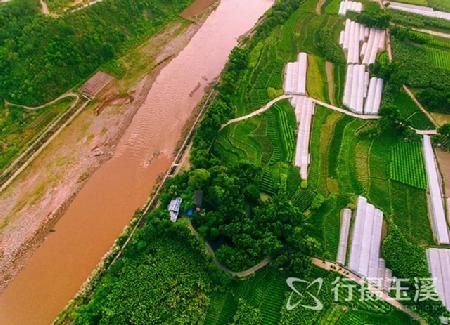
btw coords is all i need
(440, 58)
(19, 126)
(317, 84)
(407, 164)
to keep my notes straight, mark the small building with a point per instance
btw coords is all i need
(174, 208)
(96, 84)
(198, 199)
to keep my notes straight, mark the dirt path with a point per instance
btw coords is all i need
(257, 112)
(329, 68)
(389, 45)
(332, 266)
(272, 102)
(443, 158)
(344, 111)
(210, 252)
(44, 7)
(319, 6)
(410, 94)
(432, 32)
(34, 108)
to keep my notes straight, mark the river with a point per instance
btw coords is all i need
(106, 203)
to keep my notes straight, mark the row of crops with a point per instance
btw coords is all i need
(407, 164)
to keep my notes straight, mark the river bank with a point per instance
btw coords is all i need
(107, 200)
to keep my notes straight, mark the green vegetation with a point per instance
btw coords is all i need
(407, 165)
(71, 47)
(19, 126)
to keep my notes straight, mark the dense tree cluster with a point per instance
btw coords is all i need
(42, 57)
(245, 228)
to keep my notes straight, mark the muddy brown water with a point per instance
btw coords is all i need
(197, 7)
(108, 200)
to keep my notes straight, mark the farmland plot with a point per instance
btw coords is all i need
(407, 165)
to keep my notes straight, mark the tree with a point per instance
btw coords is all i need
(199, 178)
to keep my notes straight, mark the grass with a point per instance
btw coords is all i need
(19, 126)
(317, 84)
(407, 165)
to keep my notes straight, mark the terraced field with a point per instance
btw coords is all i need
(267, 140)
